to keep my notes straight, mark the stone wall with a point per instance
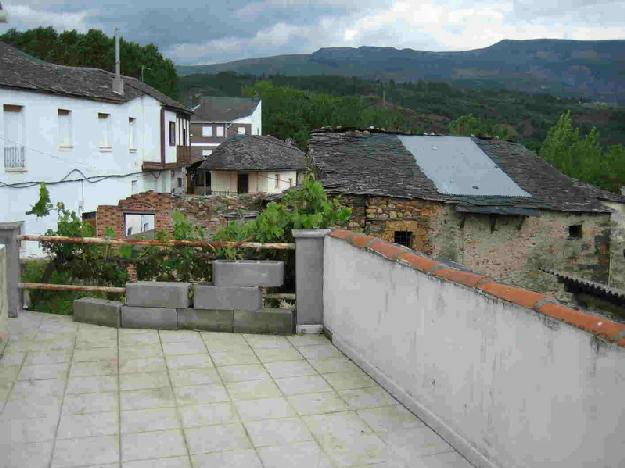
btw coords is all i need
(210, 211)
(509, 248)
(617, 246)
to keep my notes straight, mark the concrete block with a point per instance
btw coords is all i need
(97, 311)
(264, 273)
(158, 294)
(207, 296)
(204, 319)
(271, 321)
(149, 317)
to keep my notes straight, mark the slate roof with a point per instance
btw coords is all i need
(19, 70)
(255, 153)
(223, 109)
(577, 284)
(376, 163)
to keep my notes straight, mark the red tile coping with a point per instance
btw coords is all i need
(541, 303)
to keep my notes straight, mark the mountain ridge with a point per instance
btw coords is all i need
(592, 70)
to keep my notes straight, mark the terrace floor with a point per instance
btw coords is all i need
(81, 395)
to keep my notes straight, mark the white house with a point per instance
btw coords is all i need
(91, 144)
(216, 118)
(249, 164)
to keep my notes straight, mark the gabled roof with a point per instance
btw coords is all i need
(372, 162)
(19, 70)
(223, 109)
(255, 153)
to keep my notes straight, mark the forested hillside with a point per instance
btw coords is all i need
(567, 68)
(420, 107)
(95, 49)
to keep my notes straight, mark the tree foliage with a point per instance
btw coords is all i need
(96, 49)
(467, 125)
(583, 157)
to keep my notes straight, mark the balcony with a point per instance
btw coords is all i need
(183, 158)
(14, 158)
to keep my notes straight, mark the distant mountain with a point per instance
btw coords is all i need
(592, 70)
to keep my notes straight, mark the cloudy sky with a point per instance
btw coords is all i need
(212, 31)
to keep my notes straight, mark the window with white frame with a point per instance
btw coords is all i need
(104, 124)
(207, 131)
(206, 153)
(241, 130)
(65, 128)
(132, 133)
(219, 130)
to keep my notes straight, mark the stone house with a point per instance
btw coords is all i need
(491, 205)
(248, 164)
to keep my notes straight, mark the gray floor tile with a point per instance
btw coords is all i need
(22, 455)
(217, 438)
(305, 384)
(144, 399)
(206, 415)
(230, 459)
(301, 455)
(317, 403)
(253, 390)
(243, 372)
(267, 408)
(157, 444)
(74, 426)
(86, 451)
(270, 432)
(154, 419)
(201, 394)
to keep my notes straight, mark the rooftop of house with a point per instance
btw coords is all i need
(255, 153)
(223, 108)
(19, 70)
(477, 174)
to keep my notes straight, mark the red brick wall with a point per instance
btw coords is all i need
(159, 204)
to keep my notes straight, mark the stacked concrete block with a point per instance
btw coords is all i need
(208, 296)
(154, 304)
(206, 319)
(263, 273)
(272, 321)
(97, 311)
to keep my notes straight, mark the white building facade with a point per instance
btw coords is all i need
(88, 151)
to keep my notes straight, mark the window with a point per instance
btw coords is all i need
(403, 238)
(179, 180)
(132, 133)
(207, 131)
(172, 133)
(104, 124)
(65, 128)
(241, 130)
(575, 232)
(14, 136)
(277, 183)
(138, 223)
(206, 153)
(219, 130)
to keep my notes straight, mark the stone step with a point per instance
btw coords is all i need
(265, 273)
(211, 297)
(97, 311)
(158, 294)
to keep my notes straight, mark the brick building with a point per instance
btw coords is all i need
(150, 211)
(490, 205)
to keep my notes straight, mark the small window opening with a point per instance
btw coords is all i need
(575, 231)
(138, 223)
(403, 238)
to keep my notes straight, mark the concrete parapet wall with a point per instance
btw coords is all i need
(508, 376)
(158, 294)
(264, 273)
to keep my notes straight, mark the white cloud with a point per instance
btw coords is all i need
(27, 17)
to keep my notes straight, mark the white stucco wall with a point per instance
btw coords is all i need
(506, 386)
(255, 118)
(226, 181)
(4, 300)
(47, 162)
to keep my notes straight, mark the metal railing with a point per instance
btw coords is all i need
(14, 157)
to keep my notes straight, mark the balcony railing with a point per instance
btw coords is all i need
(14, 157)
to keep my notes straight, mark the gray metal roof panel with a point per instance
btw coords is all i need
(457, 166)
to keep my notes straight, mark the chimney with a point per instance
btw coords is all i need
(118, 82)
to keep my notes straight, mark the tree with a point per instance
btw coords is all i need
(467, 125)
(583, 157)
(96, 49)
